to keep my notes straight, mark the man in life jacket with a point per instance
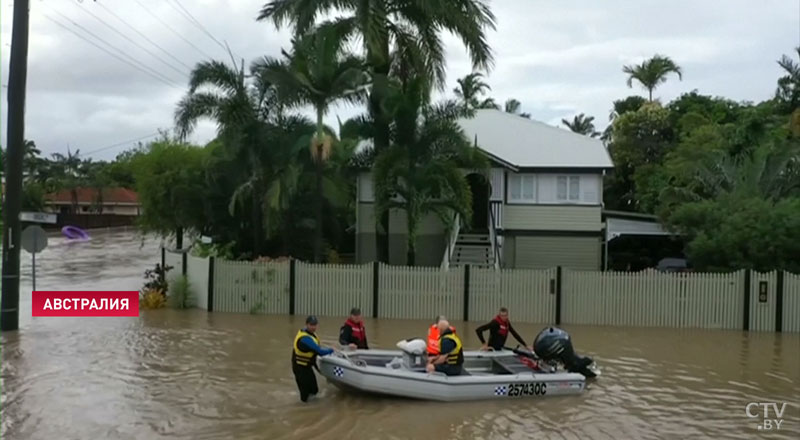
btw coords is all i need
(450, 360)
(352, 334)
(433, 336)
(304, 358)
(499, 327)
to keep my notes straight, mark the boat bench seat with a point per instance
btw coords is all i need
(513, 366)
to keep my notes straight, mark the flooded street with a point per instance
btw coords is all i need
(192, 375)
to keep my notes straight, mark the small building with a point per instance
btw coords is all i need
(85, 201)
(539, 206)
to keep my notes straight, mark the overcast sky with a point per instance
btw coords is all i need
(557, 58)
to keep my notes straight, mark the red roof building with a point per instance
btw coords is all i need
(118, 201)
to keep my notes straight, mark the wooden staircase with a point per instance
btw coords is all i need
(473, 248)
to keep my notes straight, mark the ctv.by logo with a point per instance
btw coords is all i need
(767, 423)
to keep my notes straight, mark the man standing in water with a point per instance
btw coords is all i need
(352, 334)
(498, 332)
(304, 358)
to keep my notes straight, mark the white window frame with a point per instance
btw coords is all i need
(519, 181)
(568, 196)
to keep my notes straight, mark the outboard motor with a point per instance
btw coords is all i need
(554, 345)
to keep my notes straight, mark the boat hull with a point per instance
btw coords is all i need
(365, 372)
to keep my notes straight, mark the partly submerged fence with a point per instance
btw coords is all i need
(744, 300)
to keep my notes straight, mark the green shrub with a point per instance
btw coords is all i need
(180, 295)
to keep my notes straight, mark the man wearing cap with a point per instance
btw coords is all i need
(304, 358)
(352, 334)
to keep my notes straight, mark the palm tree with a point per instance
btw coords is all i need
(470, 92)
(240, 108)
(382, 25)
(789, 85)
(319, 73)
(421, 172)
(513, 106)
(582, 124)
(652, 72)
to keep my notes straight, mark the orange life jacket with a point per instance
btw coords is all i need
(433, 339)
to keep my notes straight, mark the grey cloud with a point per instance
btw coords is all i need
(557, 58)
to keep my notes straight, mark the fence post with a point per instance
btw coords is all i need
(466, 292)
(183, 263)
(746, 314)
(558, 294)
(779, 302)
(292, 284)
(375, 284)
(210, 284)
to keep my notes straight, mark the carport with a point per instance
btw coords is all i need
(619, 223)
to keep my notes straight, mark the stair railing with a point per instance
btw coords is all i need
(451, 241)
(493, 238)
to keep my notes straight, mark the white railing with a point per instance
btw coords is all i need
(494, 212)
(451, 241)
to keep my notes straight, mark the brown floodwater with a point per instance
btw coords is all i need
(192, 375)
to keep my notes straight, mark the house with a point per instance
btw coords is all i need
(112, 201)
(539, 205)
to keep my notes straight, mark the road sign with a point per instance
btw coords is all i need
(33, 239)
(37, 217)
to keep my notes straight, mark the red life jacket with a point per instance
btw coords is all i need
(433, 339)
(503, 331)
(358, 332)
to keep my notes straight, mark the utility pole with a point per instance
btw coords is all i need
(18, 69)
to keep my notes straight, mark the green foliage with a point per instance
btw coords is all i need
(652, 72)
(788, 92)
(421, 172)
(581, 124)
(156, 278)
(170, 181)
(180, 294)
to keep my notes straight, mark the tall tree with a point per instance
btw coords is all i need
(652, 72)
(384, 24)
(788, 92)
(581, 124)
(421, 173)
(514, 107)
(317, 72)
(470, 91)
(240, 108)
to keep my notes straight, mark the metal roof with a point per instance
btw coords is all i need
(526, 143)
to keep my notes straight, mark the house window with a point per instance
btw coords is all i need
(568, 188)
(522, 188)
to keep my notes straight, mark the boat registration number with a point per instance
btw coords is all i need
(527, 389)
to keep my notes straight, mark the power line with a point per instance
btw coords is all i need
(118, 144)
(109, 52)
(152, 71)
(173, 30)
(182, 73)
(125, 22)
(188, 15)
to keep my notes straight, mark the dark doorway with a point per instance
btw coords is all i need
(481, 191)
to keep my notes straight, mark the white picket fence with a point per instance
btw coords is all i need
(420, 292)
(653, 299)
(791, 303)
(245, 287)
(638, 299)
(331, 290)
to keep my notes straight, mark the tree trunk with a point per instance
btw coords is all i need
(179, 238)
(319, 145)
(650, 91)
(257, 223)
(411, 221)
(380, 68)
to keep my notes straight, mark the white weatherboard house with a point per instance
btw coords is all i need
(539, 206)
